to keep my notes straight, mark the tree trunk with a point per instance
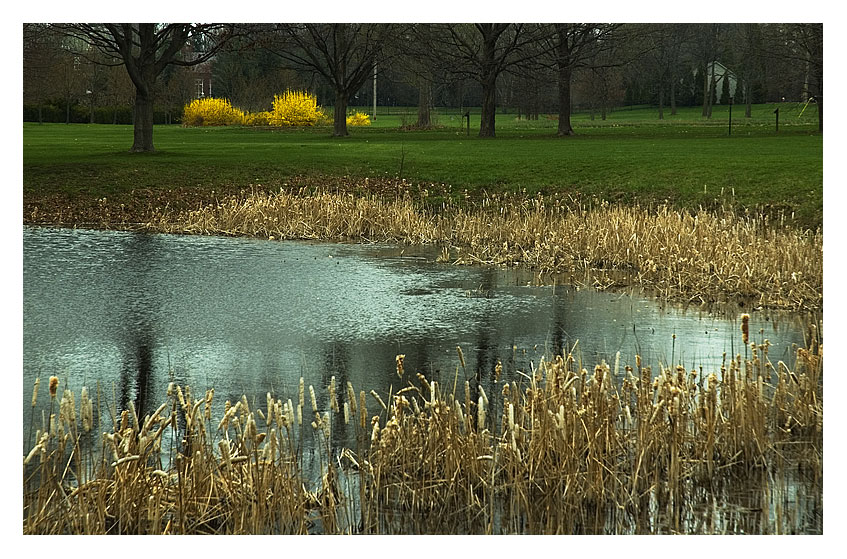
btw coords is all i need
(565, 128)
(340, 114)
(564, 81)
(673, 96)
(748, 99)
(142, 123)
(661, 103)
(424, 104)
(712, 90)
(486, 121)
(706, 93)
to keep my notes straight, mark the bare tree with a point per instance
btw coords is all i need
(145, 50)
(42, 50)
(580, 45)
(665, 41)
(482, 52)
(802, 43)
(344, 54)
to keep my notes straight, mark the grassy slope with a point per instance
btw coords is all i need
(630, 156)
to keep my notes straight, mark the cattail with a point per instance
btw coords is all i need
(35, 392)
(207, 412)
(250, 430)
(498, 370)
(346, 413)
(399, 360)
(745, 328)
(133, 416)
(378, 399)
(333, 401)
(480, 414)
(299, 414)
(351, 396)
(224, 446)
(85, 413)
(70, 406)
(461, 356)
(375, 431)
(35, 450)
(363, 410)
(511, 418)
(312, 398)
(302, 393)
(54, 386)
(459, 415)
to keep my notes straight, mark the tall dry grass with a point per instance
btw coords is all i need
(561, 449)
(699, 256)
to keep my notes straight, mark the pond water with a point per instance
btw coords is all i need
(132, 312)
(136, 311)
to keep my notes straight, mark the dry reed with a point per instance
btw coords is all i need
(566, 450)
(700, 256)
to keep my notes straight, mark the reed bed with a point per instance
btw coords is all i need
(559, 449)
(701, 256)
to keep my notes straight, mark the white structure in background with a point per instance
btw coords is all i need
(721, 73)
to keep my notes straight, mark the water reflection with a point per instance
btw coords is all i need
(244, 316)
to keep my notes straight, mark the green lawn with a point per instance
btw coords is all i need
(631, 156)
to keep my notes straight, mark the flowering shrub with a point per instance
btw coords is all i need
(211, 112)
(294, 108)
(257, 119)
(358, 119)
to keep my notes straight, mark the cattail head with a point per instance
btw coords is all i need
(480, 414)
(333, 400)
(313, 399)
(399, 360)
(35, 392)
(351, 396)
(54, 386)
(745, 328)
(498, 370)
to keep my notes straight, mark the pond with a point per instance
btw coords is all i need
(133, 312)
(137, 311)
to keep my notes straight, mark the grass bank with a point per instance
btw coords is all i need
(630, 157)
(564, 450)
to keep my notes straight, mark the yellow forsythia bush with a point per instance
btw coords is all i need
(295, 108)
(257, 119)
(358, 119)
(211, 112)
